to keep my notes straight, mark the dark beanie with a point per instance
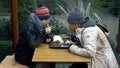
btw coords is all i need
(42, 12)
(76, 17)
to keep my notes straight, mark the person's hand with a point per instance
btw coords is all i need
(48, 30)
(48, 40)
(73, 38)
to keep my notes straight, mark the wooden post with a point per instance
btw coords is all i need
(118, 37)
(14, 19)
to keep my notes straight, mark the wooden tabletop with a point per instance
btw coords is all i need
(45, 54)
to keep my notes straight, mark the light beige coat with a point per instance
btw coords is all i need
(96, 46)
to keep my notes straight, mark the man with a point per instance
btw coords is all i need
(93, 41)
(34, 32)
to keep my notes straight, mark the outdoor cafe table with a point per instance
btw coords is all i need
(45, 54)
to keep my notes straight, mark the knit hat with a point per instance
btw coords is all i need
(42, 12)
(76, 17)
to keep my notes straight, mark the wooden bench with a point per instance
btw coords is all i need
(10, 62)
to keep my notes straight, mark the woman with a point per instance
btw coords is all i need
(93, 41)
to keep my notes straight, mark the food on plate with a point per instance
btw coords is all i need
(58, 39)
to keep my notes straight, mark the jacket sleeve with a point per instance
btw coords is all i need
(89, 39)
(33, 37)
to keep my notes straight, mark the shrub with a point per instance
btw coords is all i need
(5, 49)
(58, 28)
(5, 29)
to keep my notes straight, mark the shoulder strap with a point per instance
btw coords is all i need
(102, 28)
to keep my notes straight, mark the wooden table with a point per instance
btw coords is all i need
(45, 54)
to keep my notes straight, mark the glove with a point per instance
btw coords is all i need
(48, 39)
(73, 38)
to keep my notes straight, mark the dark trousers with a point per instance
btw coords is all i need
(52, 65)
(79, 65)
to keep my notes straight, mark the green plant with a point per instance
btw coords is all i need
(79, 4)
(58, 28)
(5, 29)
(4, 10)
(52, 5)
(5, 49)
(24, 9)
(86, 12)
(111, 6)
(99, 19)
